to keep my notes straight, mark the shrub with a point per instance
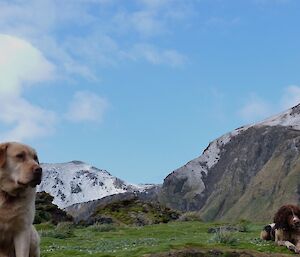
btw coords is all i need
(228, 228)
(244, 226)
(64, 226)
(44, 226)
(224, 236)
(56, 234)
(135, 212)
(98, 227)
(47, 211)
(190, 216)
(63, 230)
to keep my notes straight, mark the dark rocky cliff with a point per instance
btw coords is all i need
(257, 171)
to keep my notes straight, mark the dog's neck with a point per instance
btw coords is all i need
(6, 198)
(12, 195)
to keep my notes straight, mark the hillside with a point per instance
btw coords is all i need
(247, 173)
(83, 211)
(135, 212)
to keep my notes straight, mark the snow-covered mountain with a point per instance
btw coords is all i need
(77, 182)
(211, 155)
(216, 181)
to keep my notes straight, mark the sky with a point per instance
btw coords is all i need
(140, 87)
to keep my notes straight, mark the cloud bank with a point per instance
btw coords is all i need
(21, 65)
(80, 35)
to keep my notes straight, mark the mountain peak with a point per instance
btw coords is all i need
(76, 182)
(77, 162)
(219, 182)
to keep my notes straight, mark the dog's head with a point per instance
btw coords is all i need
(288, 217)
(19, 167)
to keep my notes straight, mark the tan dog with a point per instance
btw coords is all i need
(20, 172)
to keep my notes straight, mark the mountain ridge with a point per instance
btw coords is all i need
(76, 182)
(232, 179)
(216, 182)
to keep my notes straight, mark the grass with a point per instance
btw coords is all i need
(138, 241)
(102, 227)
(224, 237)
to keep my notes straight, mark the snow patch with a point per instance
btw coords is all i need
(289, 118)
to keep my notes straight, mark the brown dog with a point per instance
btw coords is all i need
(20, 172)
(286, 228)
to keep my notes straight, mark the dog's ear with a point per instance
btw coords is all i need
(3, 149)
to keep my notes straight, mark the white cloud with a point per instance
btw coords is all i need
(255, 109)
(290, 97)
(24, 120)
(98, 49)
(108, 33)
(153, 18)
(157, 56)
(87, 106)
(22, 64)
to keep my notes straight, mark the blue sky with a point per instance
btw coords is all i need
(140, 87)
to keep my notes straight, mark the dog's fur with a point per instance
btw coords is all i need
(268, 232)
(286, 228)
(20, 172)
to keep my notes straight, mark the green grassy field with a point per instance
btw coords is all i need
(138, 241)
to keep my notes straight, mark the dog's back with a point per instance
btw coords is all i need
(268, 232)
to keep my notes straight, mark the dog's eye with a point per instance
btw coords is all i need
(20, 156)
(36, 158)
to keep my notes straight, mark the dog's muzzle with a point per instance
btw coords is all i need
(37, 177)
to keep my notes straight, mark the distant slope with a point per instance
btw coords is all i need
(247, 173)
(133, 211)
(77, 182)
(83, 211)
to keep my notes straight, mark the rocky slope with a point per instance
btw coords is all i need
(77, 182)
(133, 211)
(83, 211)
(247, 173)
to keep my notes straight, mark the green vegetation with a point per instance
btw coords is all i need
(98, 227)
(223, 236)
(135, 212)
(62, 230)
(46, 211)
(190, 216)
(121, 241)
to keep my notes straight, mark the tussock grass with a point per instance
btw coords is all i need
(244, 226)
(63, 230)
(190, 216)
(97, 227)
(224, 236)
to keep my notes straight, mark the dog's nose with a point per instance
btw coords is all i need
(37, 176)
(37, 172)
(296, 220)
